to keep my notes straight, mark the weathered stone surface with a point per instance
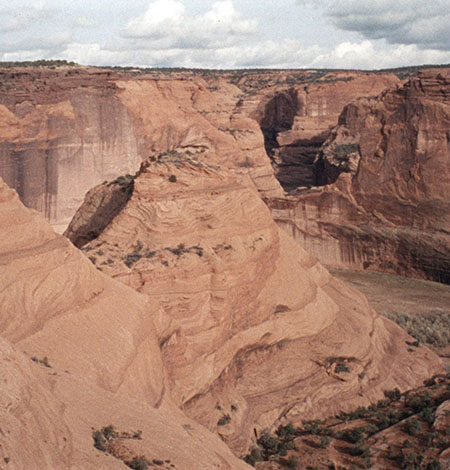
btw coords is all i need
(96, 359)
(254, 326)
(387, 203)
(64, 131)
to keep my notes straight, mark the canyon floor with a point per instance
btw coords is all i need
(421, 307)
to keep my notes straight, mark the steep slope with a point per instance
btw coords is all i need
(296, 118)
(256, 325)
(95, 360)
(64, 131)
(386, 205)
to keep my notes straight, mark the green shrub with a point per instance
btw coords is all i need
(99, 440)
(172, 178)
(225, 419)
(412, 427)
(292, 462)
(138, 463)
(325, 441)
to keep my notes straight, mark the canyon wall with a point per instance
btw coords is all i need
(64, 131)
(386, 167)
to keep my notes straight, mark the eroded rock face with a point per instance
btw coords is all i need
(64, 131)
(96, 360)
(254, 326)
(296, 121)
(387, 166)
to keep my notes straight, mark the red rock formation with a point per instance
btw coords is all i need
(388, 207)
(64, 131)
(253, 326)
(297, 120)
(103, 361)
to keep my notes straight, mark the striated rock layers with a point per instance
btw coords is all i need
(253, 329)
(386, 165)
(96, 361)
(64, 131)
(297, 120)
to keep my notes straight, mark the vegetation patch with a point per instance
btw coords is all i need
(432, 328)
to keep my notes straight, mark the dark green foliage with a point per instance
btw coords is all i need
(99, 440)
(343, 150)
(325, 441)
(287, 431)
(109, 432)
(412, 427)
(434, 465)
(225, 419)
(360, 450)
(432, 328)
(157, 462)
(428, 415)
(292, 462)
(393, 394)
(172, 178)
(341, 367)
(411, 461)
(312, 427)
(353, 435)
(138, 463)
(269, 442)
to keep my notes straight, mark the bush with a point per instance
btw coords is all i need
(360, 450)
(225, 419)
(325, 441)
(138, 463)
(172, 178)
(412, 427)
(99, 440)
(292, 462)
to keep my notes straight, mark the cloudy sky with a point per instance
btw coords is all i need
(366, 34)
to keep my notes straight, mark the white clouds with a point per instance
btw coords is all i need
(226, 33)
(425, 24)
(166, 23)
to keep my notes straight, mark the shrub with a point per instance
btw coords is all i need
(341, 368)
(360, 450)
(292, 462)
(412, 427)
(138, 463)
(325, 441)
(99, 440)
(225, 419)
(434, 465)
(172, 178)
(393, 394)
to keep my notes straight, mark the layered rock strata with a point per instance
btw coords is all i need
(78, 352)
(255, 330)
(386, 165)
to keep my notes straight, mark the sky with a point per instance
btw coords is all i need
(224, 34)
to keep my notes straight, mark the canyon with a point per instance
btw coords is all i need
(375, 197)
(190, 309)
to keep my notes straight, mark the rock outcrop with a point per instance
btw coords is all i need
(255, 329)
(296, 121)
(386, 165)
(78, 352)
(64, 131)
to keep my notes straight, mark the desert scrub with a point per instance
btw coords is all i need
(432, 328)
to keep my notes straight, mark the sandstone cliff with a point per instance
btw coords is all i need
(254, 329)
(64, 131)
(78, 352)
(386, 165)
